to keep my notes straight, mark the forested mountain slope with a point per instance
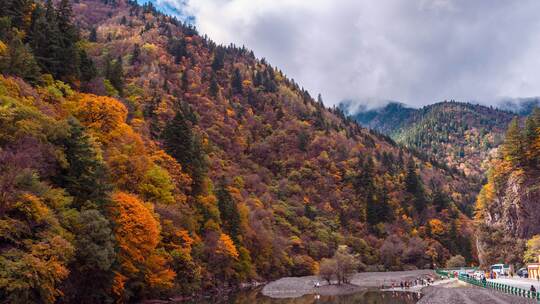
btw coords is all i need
(141, 160)
(386, 120)
(508, 210)
(458, 134)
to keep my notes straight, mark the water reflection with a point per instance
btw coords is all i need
(365, 297)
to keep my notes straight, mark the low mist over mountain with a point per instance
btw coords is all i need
(521, 106)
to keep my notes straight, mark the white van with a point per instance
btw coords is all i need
(500, 269)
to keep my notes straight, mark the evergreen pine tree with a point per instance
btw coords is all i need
(67, 54)
(87, 68)
(228, 210)
(185, 147)
(4, 8)
(513, 147)
(18, 11)
(214, 87)
(319, 100)
(45, 39)
(177, 48)
(85, 177)
(440, 199)
(236, 82)
(414, 186)
(219, 59)
(530, 141)
(269, 82)
(319, 121)
(115, 74)
(93, 35)
(257, 79)
(135, 54)
(185, 80)
(92, 270)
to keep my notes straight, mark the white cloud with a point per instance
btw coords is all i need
(417, 51)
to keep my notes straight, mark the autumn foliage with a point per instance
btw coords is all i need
(158, 163)
(137, 233)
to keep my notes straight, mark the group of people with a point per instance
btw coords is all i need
(426, 281)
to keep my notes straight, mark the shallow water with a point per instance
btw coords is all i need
(363, 297)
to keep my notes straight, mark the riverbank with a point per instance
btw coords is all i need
(293, 287)
(448, 291)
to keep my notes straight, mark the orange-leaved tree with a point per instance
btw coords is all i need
(137, 233)
(100, 113)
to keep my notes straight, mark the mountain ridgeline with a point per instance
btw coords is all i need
(141, 160)
(461, 135)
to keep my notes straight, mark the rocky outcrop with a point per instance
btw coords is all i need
(516, 206)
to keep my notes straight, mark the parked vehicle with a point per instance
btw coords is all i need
(479, 275)
(523, 273)
(500, 269)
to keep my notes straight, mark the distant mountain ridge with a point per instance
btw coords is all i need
(521, 106)
(455, 133)
(385, 119)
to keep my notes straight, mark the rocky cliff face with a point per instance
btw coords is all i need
(516, 206)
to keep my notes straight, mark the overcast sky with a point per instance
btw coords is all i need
(414, 51)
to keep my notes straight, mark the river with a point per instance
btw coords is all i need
(363, 297)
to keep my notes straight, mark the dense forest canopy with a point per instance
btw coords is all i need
(459, 134)
(141, 160)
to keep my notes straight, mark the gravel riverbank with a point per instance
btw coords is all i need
(292, 287)
(443, 292)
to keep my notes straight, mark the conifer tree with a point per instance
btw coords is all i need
(185, 80)
(135, 54)
(414, 186)
(184, 146)
(85, 176)
(67, 55)
(87, 68)
(93, 35)
(177, 48)
(513, 147)
(230, 217)
(219, 58)
(269, 81)
(214, 87)
(4, 8)
(45, 38)
(236, 82)
(18, 11)
(530, 135)
(114, 72)
(320, 122)
(92, 270)
(319, 100)
(440, 199)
